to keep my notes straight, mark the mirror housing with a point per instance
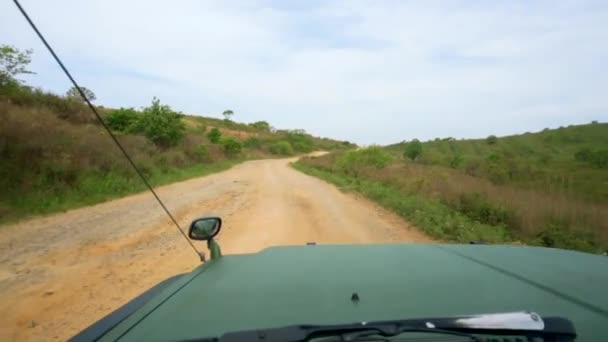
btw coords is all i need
(205, 228)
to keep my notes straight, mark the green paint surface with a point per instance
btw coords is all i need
(313, 285)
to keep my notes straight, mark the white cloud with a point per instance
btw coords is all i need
(363, 71)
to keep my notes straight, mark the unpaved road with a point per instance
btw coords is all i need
(60, 273)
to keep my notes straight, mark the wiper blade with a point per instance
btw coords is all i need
(527, 324)
(376, 335)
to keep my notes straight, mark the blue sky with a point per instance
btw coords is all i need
(364, 71)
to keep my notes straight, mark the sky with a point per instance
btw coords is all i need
(371, 72)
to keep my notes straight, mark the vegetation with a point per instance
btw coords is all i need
(13, 63)
(73, 93)
(231, 147)
(413, 149)
(548, 188)
(214, 135)
(282, 148)
(160, 124)
(55, 155)
(228, 114)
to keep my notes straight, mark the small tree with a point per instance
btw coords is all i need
(261, 125)
(13, 63)
(160, 124)
(491, 140)
(231, 147)
(413, 149)
(227, 114)
(74, 94)
(214, 135)
(122, 119)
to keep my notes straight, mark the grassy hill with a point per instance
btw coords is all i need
(548, 188)
(54, 155)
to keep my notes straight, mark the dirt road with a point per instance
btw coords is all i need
(60, 273)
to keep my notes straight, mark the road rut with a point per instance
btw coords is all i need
(62, 272)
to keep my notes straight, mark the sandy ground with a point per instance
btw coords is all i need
(60, 273)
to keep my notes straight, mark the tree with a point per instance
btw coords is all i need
(74, 94)
(491, 140)
(13, 63)
(413, 149)
(214, 135)
(227, 114)
(160, 124)
(261, 125)
(122, 119)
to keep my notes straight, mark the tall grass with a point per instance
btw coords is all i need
(441, 195)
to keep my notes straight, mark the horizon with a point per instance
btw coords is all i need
(369, 74)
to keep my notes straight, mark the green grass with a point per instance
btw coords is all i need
(453, 204)
(93, 188)
(543, 160)
(432, 217)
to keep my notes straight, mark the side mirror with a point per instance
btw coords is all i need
(205, 228)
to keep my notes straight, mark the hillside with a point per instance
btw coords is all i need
(571, 160)
(54, 155)
(548, 188)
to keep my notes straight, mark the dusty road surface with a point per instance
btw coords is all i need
(60, 273)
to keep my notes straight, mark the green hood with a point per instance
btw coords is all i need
(313, 285)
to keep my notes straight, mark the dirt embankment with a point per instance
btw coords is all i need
(60, 273)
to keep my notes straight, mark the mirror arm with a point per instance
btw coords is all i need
(214, 248)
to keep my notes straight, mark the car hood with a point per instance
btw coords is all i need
(314, 285)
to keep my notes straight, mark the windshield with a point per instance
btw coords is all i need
(414, 135)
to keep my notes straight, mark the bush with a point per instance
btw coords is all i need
(477, 207)
(598, 159)
(300, 142)
(214, 135)
(372, 156)
(456, 161)
(252, 142)
(281, 148)
(491, 140)
(122, 119)
(231, 147)
(261, 125)
(413, 150)
(202, 153)
(160, 124)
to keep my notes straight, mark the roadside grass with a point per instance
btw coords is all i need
(95, 187)
(431, 216)
(55, 156)
(449, 204)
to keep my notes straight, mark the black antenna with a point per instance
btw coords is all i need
(67, 73)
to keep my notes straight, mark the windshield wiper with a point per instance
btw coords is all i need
(525, 324)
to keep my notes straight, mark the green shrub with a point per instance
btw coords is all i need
(583, 155)
(558, 236)
(202, 153)
(373, 156)
(479, 208)
(252, 142)
(413, 149)
(456, 161)
(261, 125)
(231, 147)
(598, 159)
(122, 119)
(282, 148)
(491, 140)
(214, 135)
(160, 124)
(300, 141)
